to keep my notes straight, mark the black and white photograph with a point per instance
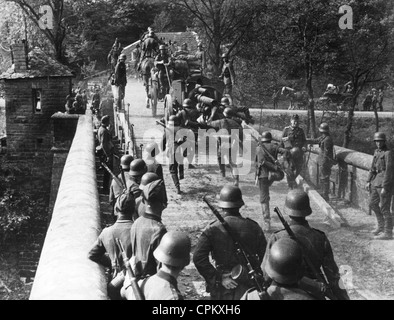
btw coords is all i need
(203, 151)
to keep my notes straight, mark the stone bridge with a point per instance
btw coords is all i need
(64, 271)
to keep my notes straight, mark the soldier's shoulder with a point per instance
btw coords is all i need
(252, 222)
(319, 232)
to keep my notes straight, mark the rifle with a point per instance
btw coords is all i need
(134, 283)
(120, 183)
(325, 289)
(254, 270)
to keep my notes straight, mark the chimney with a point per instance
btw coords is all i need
(19, 55)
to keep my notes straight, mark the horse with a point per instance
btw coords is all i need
(298, 97)
(146, 67)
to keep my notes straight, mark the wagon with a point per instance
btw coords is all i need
(334, 102)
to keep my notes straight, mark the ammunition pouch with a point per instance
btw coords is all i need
(313, 287)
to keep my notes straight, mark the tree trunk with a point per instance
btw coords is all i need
(311, 104)
(375, 111)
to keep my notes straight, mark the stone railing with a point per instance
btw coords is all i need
(64, 271)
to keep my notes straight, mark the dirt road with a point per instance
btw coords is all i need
(366, 265)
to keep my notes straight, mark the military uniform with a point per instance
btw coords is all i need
(317, 248)
(161, 286)
(296, 138)
(216, 241)
(325, 161)
(115, 189)
(150, 47)
(160, 61)
(381, 177)
(232, 141)
(105, 140)
(267, 172)
(105, 244)
(120, 80)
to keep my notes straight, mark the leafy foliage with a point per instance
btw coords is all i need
(18, 208)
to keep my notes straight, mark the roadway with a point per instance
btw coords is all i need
(351, 242)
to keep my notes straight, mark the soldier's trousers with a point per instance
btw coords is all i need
(264, 186)
(380, 205)
(177, 173)
(325, 174)
(107, 175)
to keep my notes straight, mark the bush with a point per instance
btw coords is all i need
(18, 208)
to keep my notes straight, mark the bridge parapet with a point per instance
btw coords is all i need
(64, 271)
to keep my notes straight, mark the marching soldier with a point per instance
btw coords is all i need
(315, 243)
(285, 268)
(147, 231)
(115, 189)
(380, 186)
(228, 74)
(173, 253)
(105, 251)
(268, 170)
(171, 143)
(137, 170)
(188, 119)
(233, 139)
(215, 241)
(326, 157)
(294, 136)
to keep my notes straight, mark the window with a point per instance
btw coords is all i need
(37, 100)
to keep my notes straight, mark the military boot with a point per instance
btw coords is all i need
(267, 216)
(388, 229)
(379, 226)
(222, 170)
(176, 183)
(386, 235)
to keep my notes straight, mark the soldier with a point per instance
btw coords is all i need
(294, 136)
(233, 138)
(242, 113)
(188, 119)
(326, 158)
(227, 74)
(314, 242)
(152, 164)
(215, 241)
(147, 231)
(380, 186)
(105, 141)
(162, 63)
(173, 152)
(115, 189)
(104, 250)
(146, 179)
(285, 268)
(150, 45)
(120, 80)
(173, 253)
(137, 170)
(268, 170)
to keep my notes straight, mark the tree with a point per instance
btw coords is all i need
(56, 33)
(364, 52)
(222, 23)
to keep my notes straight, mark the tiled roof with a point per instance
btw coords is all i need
(40, 65)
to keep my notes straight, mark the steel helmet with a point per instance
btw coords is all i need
(225, 101)
(105, 120)
(148, 178)
(228, 112)
(125, 161)
(151, 148)
(324, 127)
(285, 262)
(187, 103)
(297, 203)
(122, 57)
(266, 136)
(379, 136)
(231, 197)
(162, 47)
(174, 249)
(138, 167)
